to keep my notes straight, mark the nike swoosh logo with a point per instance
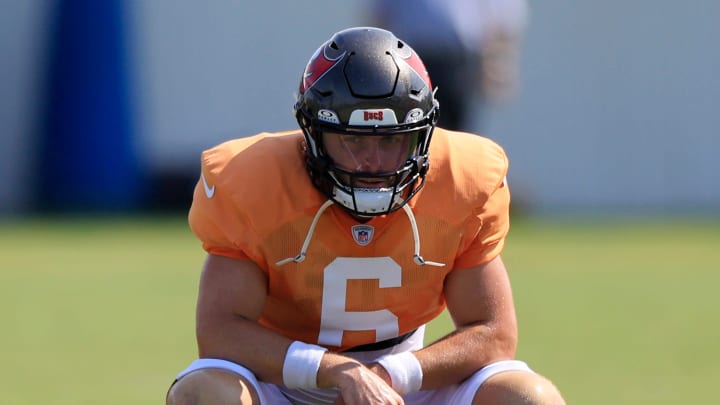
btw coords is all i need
(209, 191)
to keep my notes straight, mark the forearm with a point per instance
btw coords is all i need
(479, 301)
(334, 367)
(244, 342)
(263, 351)
(458, 355)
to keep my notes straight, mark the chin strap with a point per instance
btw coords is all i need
(417, 258)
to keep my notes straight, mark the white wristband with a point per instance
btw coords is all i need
(405, 371)
(301, 365)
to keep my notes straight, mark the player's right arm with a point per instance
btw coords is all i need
(231, 298)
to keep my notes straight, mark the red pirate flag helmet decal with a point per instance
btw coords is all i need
(414, 61)
(319, 64)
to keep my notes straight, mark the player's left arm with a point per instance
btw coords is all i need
(477, 291)
(480, 302)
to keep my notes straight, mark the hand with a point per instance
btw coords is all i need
(357, 384)
(381, 372)
(365, 387)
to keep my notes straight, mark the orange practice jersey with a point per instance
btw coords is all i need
(359, 283)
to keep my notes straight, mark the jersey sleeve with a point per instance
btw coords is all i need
(493, 215)
(212, 217)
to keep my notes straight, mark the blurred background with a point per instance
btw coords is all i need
(106, 106)
(608, 112)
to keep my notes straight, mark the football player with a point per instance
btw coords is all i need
(331, 247)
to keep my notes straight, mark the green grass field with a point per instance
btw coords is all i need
(615, 312)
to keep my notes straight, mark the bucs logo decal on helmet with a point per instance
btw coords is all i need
(318, 65)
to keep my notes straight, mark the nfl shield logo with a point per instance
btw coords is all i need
(363, 234)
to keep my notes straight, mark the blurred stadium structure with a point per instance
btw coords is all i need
(106, 105)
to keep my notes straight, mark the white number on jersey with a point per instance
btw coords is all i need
(335, 319)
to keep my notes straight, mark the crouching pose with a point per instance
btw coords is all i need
(330, 247)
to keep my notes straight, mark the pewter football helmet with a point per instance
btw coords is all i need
(365, 82)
